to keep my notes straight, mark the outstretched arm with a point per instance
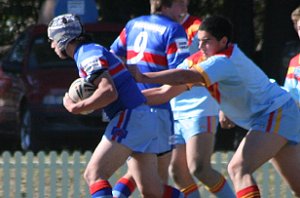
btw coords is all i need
(160, 95)
(171, 76)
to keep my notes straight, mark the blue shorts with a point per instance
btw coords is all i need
(285, 122)
(165, 129)
(186, 128)
(135, 129)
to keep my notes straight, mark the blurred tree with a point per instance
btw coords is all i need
(241, 14)
(15, 16)
(278, 29)
(122, 10)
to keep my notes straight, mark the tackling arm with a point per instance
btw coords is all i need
(160, 95)
(170, 76)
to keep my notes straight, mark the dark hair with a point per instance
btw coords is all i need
(218, 26)
(84, 38)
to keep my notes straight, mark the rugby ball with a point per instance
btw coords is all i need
(80, 89)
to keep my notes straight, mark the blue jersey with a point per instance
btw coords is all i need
(153, 43)
(245, 92)
(93, 59)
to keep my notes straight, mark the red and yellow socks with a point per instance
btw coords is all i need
(222, 189)
(249, 192)
(191, 191)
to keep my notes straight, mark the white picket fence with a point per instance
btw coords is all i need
(59, 175)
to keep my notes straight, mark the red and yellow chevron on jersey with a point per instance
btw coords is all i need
(196, 59)
(191, 25)
(294, 68)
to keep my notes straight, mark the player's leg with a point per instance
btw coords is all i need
(106, 159)
(180, 172)
(287, 160)
(165, 129)
(178, 167)
(163, 165)
(255, 149)
(143, 167)
(199, 149)
(125, 186)
(287, 163)
(269, 137)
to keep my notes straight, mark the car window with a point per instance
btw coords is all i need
(104, 38)
(41, 55)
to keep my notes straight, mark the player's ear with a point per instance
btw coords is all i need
(224, 40)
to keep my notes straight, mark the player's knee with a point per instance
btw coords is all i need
(238, 169)
(174, 171)
(91, 176)
(295, 190)
(86, 176)
(296, 194)
(197, 169)
(233, 169)
(148, 192)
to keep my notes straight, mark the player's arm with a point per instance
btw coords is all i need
(224, 121)
(160, 95)
(170, 77)
(104, 94)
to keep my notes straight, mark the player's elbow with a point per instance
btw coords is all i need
(111, 94)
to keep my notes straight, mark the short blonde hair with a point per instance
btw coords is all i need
(296, 14)
(156, 5)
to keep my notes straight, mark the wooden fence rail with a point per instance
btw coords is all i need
(59, 175)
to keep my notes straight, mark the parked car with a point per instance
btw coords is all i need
(33, 82)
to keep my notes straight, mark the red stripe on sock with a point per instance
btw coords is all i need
(99, 185)
(249, 192)
(168, 192)
(129, 183)
(192, 189)
(218, 186)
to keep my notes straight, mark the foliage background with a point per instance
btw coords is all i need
(263, 28)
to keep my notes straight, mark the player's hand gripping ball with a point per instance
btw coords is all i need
(81, 89)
